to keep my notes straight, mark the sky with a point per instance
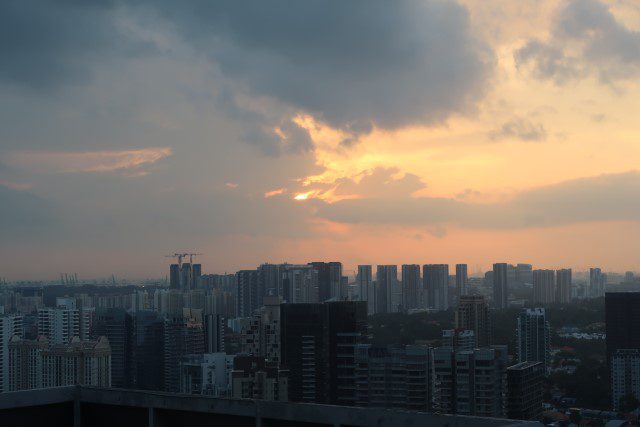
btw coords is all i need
(364, 131)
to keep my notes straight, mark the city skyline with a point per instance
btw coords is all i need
(440, 130)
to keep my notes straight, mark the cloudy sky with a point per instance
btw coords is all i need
(364, 131)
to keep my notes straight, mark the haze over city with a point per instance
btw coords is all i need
(430, 132)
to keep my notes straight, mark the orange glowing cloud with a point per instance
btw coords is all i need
(88, 161)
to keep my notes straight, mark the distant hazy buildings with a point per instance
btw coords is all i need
(436, 285)
(500, 286)
(250, 294)
(597, 281)
(563, 286)
(543, 287)
(473, 314)
(533, 337)
(366, 288)
(387, 289)
(10, 325)
(411, 287)
(462, 280)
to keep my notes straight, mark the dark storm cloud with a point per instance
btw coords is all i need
(601, 198)
(348, 63)
(351, 64)
(608, 49)
(45, 43)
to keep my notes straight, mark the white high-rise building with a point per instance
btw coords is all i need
(625, 376)
(533, 337)
(10, 325)
(59, 325)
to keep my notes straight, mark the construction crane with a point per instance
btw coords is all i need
(182, 281)
(180, 256)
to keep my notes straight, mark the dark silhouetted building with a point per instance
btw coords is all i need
(174, 276)
(182, 336)
(214, 328)
(393, 377)
(411, 287)
(148, 351)
(500, 285)
(318, 348)
(473, 314)
(622, 317)
(524, 391)
(329, 281)
(118, 326)
(249, 297)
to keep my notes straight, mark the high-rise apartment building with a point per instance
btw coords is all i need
(59, 324)
(206, 374)
(436, 285)
(366, 288)
(411, 287)
(254, 378)
(596, 282)
(39, 364)
(459, 339)
(250, 294)
(543, 287)
(393, 377)
(147, 351)
(524, 391)
(625, 377)
(473, 314)
(260, 336)
(329, 281)
(10, 325)
(471, 382)
(301, 283)
(462, 280)
(563, 286)
(622, 318)
(533, 337)
(182, 336)
(214, 330)
(500, 285)
(318, 348)
(270, 276)
(388, 293)
(118, 326)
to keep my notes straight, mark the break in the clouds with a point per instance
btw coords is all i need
(586, 39)
(602, 198)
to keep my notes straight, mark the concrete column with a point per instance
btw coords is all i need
(77, 416)
(152, 417)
